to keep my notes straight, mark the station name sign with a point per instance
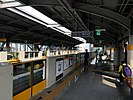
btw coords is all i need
(82, 34)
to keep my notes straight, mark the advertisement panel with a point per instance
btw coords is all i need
(66, 62)
(59, 68)
(71, 60)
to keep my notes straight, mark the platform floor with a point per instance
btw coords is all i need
(95, 86)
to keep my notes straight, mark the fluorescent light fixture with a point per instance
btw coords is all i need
(34, 15)
(68, 33)
(63, 29)
(10, 4)
(53, 25)
(54, 28)
(50, 23)
(24, 15)
(33, 12)
(80, 39)
(7, 0)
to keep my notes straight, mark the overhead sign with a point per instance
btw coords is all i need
(82, 34)
(98, 32)
(100, 29)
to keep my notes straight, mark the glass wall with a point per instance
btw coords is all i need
(16, 47)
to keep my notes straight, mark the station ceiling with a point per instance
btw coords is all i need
(76, 15)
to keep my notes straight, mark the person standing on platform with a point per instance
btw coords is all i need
(124, 71)
(86, 57)
(96, 52)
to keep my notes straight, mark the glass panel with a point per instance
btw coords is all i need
(26, 54)
(21, 77)
(9, 56)
(36, 54)
(22, 47)
(28, 49)
(19, 49)
(16, 55)
(39, 71)
(31, 54)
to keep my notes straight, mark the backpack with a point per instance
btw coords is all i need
(127, 71)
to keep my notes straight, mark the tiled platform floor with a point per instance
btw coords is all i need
(94, 86)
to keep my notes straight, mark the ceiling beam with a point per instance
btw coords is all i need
(102, 12)
(123, 6)
(14, 21)
(61, 16)
(130, 13)
(123, 1)
(107, 25)
(59, 13)
(75, 16)
(55, 3)
(36, 28)
(40, 2)
(10, 28)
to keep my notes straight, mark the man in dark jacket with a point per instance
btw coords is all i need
(86, 57)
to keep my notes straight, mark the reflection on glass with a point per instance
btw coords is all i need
(21, 68)
(31, 54)
(26, 54)
(21, 73)
(36, 54)
(9, 56)
(44, 53)
(16, 55)
(38, 71)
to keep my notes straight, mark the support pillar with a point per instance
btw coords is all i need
(116, 57)
(112, 54)
(7, 46)
(130, 54)
(130, 47)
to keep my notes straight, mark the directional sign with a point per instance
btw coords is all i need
(100, 29)
(98, 32)
(82, 34)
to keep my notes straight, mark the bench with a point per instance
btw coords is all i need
(129, 82)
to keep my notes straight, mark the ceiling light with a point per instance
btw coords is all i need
(54, 28)
(24, 15)
(63, 29)
(7, 0)
(33, 12)
(10, 4)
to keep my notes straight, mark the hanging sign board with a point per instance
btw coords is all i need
(82, 34)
